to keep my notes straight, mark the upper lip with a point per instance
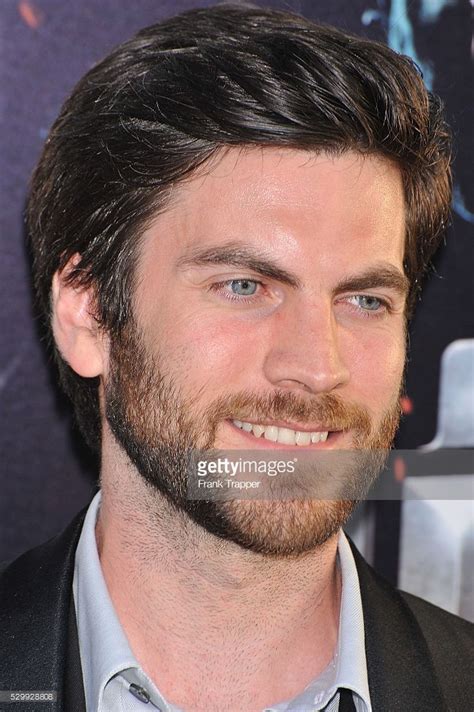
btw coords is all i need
(286, 424)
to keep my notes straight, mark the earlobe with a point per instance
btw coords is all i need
(75, 329)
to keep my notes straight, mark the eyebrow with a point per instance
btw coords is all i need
(377, 276)
(238, 254)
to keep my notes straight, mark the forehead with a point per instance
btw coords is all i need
(297, 204)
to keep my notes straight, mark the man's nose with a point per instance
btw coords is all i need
(305, 351)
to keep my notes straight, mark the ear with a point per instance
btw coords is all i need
(80, 341)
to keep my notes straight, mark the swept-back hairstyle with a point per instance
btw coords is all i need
(164, 102)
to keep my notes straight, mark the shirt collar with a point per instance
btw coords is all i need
(348, 668)
(351, 661)
(103, 646)
(105, 650)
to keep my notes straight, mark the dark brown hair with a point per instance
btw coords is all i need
(161, 104)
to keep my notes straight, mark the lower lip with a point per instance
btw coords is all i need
(253, 442)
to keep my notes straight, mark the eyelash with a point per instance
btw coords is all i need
(218, 288)
(367, 313)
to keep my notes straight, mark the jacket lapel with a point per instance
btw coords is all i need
(35, 595)
(400, 669)
(74, 693)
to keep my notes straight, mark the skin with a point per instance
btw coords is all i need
(216, 624)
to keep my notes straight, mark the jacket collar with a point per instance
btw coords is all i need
(399, 664)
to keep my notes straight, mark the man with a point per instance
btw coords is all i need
(229, 224)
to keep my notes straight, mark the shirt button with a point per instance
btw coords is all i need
(139, 692)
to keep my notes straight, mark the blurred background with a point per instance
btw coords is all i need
(46, 474)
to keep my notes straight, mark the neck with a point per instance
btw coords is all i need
(197, 609)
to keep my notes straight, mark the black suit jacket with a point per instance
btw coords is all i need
(419, 657)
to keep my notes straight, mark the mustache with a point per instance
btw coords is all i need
(328, 409)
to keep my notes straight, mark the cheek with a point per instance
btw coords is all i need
(376, 360)
(209, 352)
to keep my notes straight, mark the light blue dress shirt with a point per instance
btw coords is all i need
(114, 681)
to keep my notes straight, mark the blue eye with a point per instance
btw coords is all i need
(242, 291)
(369, 303)
(369, 306)
(243, 287)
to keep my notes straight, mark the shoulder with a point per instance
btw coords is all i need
(39, 573)
(414, 647)
(450, 642)
(443, 630)
(41, 560)
(35, 594)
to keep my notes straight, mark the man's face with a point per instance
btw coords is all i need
(271, 293)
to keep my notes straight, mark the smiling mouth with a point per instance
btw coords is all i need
(283, 435)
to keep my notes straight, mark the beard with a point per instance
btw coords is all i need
(158, 427)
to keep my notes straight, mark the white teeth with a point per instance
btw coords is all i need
(271, 433)
(285, 436)
(302, 438)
